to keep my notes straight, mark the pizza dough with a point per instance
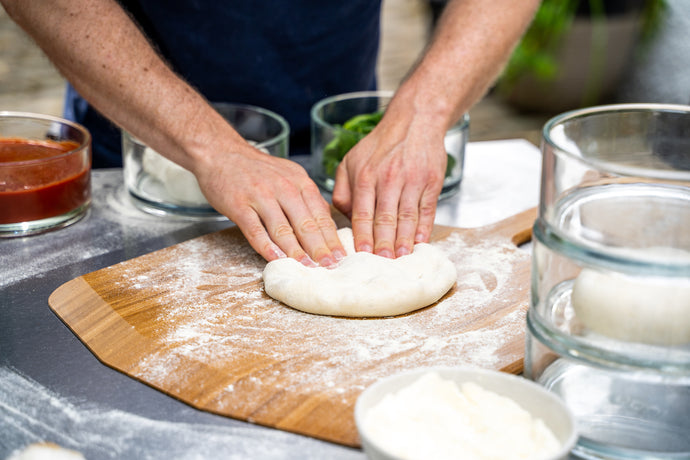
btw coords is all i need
(180, 184)
(650, 310)
(46, 451)
(363, 284)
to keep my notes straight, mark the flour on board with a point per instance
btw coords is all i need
(217, 315)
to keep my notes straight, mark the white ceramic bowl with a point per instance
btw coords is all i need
(533, 398)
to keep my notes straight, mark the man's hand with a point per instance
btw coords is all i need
(389, 184)
(390, 181)
(275, 204)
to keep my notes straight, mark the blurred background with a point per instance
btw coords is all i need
(577, 53)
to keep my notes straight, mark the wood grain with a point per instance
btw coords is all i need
(192, 320)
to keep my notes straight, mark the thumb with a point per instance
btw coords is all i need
(342, 192)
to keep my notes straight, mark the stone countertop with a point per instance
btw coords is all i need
(53, 389)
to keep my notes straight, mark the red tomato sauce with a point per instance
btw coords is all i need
(32, 190)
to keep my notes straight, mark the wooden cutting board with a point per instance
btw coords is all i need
(193, 321)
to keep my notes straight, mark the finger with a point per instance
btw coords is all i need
(330, 234)
(342, 194)
(303, 221)
(408, 219)
(280, 231)
(427, 213)
(386, 218)
(362, 216)
(253, 229)
(321, 214)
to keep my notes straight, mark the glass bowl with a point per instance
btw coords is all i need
(161, 187)
(45, 173)
(609, 322)
(330, 141)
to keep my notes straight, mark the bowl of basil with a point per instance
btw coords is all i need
(339, 122)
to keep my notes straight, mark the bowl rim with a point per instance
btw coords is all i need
(284, 131)
(8, 114)
(566, 445)
(285, 126)
(461, 124)
(558, 120)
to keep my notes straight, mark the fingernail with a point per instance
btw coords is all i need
(306, 261)
(326, 262)
(365, 248)
(420, 238)
(402, 251)
(385, 253)
(278, 252)
(339, 255)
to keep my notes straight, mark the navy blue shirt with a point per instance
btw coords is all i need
(283, 55)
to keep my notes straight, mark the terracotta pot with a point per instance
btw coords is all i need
(591, 61)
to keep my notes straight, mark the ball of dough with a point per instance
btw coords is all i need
(46, 451)
(180, 184)
(363, 284)
(650, 310)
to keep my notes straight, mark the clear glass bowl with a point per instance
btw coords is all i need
(609, 323)
(159, 186)
(45, 173)
(328, 117)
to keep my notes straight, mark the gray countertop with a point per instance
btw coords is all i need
(53, 389)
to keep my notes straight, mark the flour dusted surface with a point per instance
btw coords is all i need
(221, 344)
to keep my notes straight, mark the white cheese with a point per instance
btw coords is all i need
(434, 418)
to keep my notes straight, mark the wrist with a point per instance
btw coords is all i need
(421, 110)
(431, 101)
(208, 140)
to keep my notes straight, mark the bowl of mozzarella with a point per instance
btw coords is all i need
(161, 187)
(462, 413)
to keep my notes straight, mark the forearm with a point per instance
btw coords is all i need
(104, 55)
(469, 48)
(108, 60)
(390, 181)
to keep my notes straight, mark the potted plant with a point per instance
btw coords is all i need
(575, 52)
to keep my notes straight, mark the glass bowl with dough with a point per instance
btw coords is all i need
(609, 323)
(45, 173)
(159, 186)
(462, 413)
(339, 122)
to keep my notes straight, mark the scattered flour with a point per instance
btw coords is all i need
(434, 418)
(111, 223)
(31, 413)
(214, 316)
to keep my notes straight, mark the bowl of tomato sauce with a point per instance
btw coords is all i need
(45, 173)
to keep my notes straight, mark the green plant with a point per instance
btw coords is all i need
(346, 136)
(351, 132)
(536, 54)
